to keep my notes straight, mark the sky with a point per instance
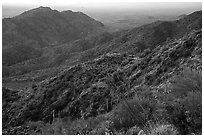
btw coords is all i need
(92, 3)
(15, 7)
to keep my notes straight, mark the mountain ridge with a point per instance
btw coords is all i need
(42, 27)
(130, 41)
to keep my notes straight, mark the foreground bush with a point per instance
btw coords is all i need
(65, 126)
(136, 111)
(161, 128)
(185, 110)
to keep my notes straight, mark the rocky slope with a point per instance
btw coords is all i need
(96, 87)
(129, 41)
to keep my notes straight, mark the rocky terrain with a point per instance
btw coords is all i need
(95, 88)
(142, 81)
(131, 41)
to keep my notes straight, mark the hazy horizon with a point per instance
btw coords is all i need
(94, 8)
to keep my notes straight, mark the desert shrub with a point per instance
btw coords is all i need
(35, 127)
(58, 126)
(133, 130)
(186, 113)
(154, 129)
(188, 81)
(163, 130)
(65, 126)
(102, 129)
(185, 109)
(135, 112)
(95, 121)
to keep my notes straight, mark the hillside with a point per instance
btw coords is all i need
(42, 27)
(63, 74)
(131, 41)
(100, 90)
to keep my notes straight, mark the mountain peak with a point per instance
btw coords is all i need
(67, 11)
(37, 11)
(41, 8)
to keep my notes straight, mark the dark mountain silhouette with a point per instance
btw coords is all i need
(42, 27)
